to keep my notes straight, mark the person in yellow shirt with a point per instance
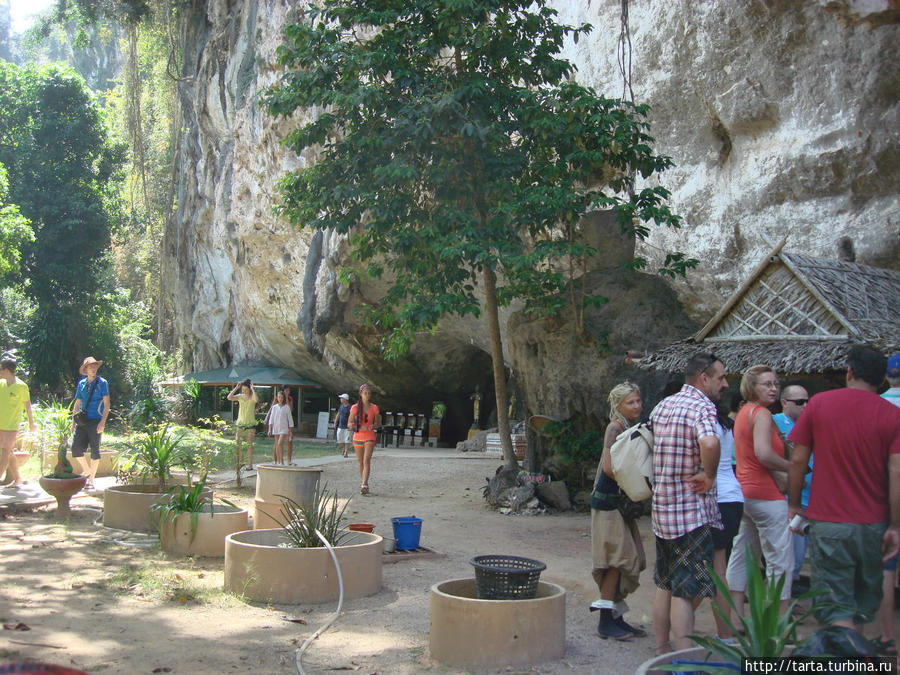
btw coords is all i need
(246, 421)
(14, 396)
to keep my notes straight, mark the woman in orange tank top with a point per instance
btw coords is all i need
(759, 451)
(363, 422)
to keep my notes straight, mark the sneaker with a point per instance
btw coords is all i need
(608, 628)
(624, 625)
(364, 490)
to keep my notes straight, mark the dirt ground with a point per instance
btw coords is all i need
(108, 607)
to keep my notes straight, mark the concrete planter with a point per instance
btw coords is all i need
(62, 489)
(258, 569)
(107, 466)
(298, 483)
(177, 535)
(21, 457)
(127, 507)
(470, 633)
(651, 666)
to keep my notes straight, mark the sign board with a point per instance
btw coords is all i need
(322, 425)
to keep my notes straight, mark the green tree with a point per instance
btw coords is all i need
(15, 232)
(62, 171)
(454, 147)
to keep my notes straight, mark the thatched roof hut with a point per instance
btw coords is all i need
(799, 315)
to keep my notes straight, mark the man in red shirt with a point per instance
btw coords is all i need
(854, 503)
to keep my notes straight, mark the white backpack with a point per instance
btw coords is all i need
(632, 461)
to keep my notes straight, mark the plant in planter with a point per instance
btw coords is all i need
(153, 456)
(438, 410)
(187, 521)
(63, 482)
(301, 522)
(290, 565)
(766, 631)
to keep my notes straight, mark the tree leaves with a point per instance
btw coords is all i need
(452, 139)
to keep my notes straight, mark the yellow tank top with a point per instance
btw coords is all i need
(246, 411)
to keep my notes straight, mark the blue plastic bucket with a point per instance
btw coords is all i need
(407, 532)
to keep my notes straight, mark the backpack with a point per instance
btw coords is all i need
(632, 461)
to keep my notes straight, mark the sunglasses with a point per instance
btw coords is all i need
(798, 401)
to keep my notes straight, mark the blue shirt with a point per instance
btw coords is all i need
(92, 407)
(785, 424)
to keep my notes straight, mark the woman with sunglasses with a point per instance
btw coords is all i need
(760, 454)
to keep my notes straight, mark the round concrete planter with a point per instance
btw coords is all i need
(470, 633)
(265, 513)
(22, 457)
(177, 534)
(296, 482)
(257, 568)
(127, 507)
(274, 481)
(107, 466)
(651, 666)
(62, 489)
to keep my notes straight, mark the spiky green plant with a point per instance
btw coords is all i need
(180, 499)
(154, 453)
(765, 631)
(323, 514)
(55, 417)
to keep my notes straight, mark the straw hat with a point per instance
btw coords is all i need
(88, 361)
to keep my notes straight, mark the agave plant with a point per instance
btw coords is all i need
(154, 454)
(764, 632)
(323, 514)
(180, 499)
(55, 417)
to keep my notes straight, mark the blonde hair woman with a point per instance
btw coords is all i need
(759, 451)
(618, 554)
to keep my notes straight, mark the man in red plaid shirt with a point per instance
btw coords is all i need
(685, 460)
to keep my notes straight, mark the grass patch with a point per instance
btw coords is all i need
(222, 447)
(152, 580)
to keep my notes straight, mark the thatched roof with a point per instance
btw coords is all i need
(798, 314)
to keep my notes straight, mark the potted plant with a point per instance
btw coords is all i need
(190, 523)
(63, 482)
(151, 459)
(291, 565)
(764, 632)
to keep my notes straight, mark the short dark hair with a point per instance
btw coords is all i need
(699, 363)
(247, 383)
(867, 364)
(9, 363)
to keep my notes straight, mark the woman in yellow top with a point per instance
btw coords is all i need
(246, 421)
(364, 421)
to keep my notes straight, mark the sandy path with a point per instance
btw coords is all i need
(84, 602)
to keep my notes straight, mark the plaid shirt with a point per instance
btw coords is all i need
(679, 422)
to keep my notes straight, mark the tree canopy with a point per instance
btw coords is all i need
(454, 147)
(62, 167)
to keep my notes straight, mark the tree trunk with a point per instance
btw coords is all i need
(493, 317)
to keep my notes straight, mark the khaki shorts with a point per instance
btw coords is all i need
(344, 436)
(846, 563)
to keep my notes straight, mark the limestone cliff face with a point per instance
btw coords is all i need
(782, 118)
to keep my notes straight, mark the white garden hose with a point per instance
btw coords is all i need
(336, 612)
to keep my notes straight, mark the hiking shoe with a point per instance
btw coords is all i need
(609, 629)
(624, 625)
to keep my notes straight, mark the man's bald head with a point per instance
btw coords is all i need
(793, 399)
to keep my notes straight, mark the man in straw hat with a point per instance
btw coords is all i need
(92, 396)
